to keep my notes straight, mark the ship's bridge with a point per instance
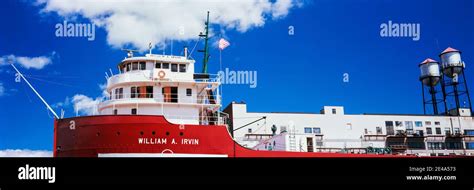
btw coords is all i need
(153, 67)
(162, 85)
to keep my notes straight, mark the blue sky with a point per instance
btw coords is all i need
(298, 73)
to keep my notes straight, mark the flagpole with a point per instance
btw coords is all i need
(220, 80)
(220, 67)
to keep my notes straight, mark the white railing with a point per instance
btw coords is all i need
(212, 78)
(221, 119)
(149, 75)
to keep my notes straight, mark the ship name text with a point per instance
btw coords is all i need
(164, 141)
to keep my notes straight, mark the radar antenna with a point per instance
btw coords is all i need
(129, 52)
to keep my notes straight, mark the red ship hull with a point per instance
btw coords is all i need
(146, 135)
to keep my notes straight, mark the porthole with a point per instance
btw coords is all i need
(118, 133)
(181, 133)
(141, 133)
(167, 133)
(153, 133)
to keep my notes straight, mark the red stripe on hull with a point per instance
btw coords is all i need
(121, 134)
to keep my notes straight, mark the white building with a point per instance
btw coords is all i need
(333, 130)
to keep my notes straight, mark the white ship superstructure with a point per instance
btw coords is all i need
(162, 85)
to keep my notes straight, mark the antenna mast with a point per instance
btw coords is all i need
(130, 52)
(34, 90)
(206, 47)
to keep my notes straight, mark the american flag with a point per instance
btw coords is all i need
(223, 43)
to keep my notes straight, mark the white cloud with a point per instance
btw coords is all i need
(65, 103)
(138, 23)
(25, 153)
(85, 105)
(2, 89)
(281, 8)
(27, 62)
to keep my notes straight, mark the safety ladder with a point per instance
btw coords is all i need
(292, 138)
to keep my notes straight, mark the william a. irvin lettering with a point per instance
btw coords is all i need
(163, 141)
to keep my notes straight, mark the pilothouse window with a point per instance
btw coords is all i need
(182, 68)
(142, 65)
(166, 65)
(174, 67)
(134, 66)
(128, 67)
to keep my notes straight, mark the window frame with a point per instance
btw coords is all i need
(149, 94)
(142, 65)
(174, 67)
(189, 91)
(378, 130)
(133, 92)
(418, 122)
(182, 68)
(317, 130)
(165, 65)
(429, 131)
(398, 123)
(135, 66)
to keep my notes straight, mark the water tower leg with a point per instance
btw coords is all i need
(467, 91)
(443, 89)
(433, 99)
(456, 97)
(423, 94)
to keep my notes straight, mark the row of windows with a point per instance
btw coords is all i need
(429, 131)
(447, 130)
(133, 111)
(446, 145)
(409, 124)
(174, 67)
(170, 93)
(315, 130)
(134, 66)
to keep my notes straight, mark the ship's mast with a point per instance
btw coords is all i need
(206, 47)
(36, 92)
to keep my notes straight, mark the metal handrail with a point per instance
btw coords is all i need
(221, 120)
